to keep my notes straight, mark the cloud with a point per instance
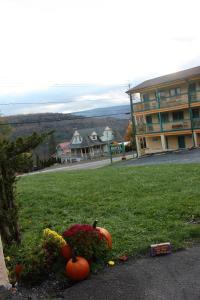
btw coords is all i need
(184, 39)
(63, 100)
(57, 42)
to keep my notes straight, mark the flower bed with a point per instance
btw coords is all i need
(80, 244)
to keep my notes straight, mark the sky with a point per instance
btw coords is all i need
(83, 54)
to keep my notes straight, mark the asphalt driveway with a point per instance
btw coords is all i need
(174, 277)
(171, 277)
(177, 157)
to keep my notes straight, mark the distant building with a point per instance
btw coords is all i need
(168, 114)
(92, 142)
(63, 151)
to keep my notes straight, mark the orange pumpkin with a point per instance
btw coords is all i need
(77, 268)
(107, 236)
(66, 252)
(105, 233)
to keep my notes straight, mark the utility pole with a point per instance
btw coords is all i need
(109, 148)
(132, 120)
(190, 112)
(110, 153)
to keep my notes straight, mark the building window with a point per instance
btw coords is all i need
(149, 119)
(195, 113)
(77, 139)
(143, 143)
(155, 139)
(192, 87)
(162, 94)
(175, 92)
(145, 97)
(178, 116)
(165, 117)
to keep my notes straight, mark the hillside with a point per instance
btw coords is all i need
(62, 124)
(119, 112)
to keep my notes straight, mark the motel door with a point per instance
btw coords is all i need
(181, 141)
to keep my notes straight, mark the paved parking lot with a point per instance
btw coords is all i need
(173, 277)
(178, 157)
(170, 277)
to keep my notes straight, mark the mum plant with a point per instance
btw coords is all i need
(37, 263)
(88, 241)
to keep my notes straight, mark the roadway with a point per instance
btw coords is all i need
(79, 166)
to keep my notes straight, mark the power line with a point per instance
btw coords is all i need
(73, 85)
(88, 85)
(32, 103)
(59, 120)
(49, 102)
(63, 101)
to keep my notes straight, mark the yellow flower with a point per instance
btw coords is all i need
(7, 258)
(53, 237)
(46, 231)
(111, 263)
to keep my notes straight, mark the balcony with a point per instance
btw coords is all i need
(185, 124)
(166, 102)
(196, 123)
(141, 106)
(195, 97)
(148, 128)
(177, 125)
(174, 101)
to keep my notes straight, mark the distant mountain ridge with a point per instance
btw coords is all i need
(119, 112)
(63, 125)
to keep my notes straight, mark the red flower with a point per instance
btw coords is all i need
(83, 228)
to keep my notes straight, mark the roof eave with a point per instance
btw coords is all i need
(162, 85)
(155, 86)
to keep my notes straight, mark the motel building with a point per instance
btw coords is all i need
(167, 114)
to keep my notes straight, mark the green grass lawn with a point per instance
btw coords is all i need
(138, 205)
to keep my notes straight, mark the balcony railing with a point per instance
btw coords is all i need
(195, 97)
(148, 128)
(176, 125)
(174, 101)
(152, 104)
(155, 127)
(196, 123)
(165, 102)
(167, 126)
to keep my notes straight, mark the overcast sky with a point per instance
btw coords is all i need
(86, 52)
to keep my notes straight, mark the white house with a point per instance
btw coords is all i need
(91, 142)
